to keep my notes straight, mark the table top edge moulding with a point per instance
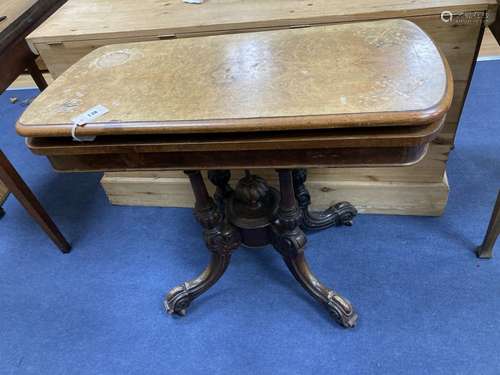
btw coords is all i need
(221, 16)
(248, 82)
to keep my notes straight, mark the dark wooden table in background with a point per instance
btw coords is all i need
(17, 19)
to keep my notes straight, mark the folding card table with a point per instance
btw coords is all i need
(361, 94)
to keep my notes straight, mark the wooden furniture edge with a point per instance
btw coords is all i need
(397, 118)
(342, 138)
(374, 197)
(34, 39)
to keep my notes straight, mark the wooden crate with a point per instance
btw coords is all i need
(419, 189)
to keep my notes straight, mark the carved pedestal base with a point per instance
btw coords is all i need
(255, 214)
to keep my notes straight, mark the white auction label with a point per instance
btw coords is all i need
(83, 119)
(91, 115)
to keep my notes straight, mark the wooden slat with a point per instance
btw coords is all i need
(151, 17)
(490, 46)
(401, 198)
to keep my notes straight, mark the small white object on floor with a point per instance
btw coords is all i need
(193, 1)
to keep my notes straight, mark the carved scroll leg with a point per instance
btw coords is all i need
(339, 307)
(221, 239)
(341, 213)
(179, 298)
(290, 241)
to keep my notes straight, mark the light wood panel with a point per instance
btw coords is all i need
(399, 198)
(489, 46)
(154, 18)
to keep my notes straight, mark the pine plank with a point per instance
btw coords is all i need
(171, 17)
(399, 198)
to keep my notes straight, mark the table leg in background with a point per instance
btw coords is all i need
(16, 185)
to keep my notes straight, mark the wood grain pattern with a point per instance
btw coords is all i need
(408, 136)
(169, 18)
(416, 183)
(434, 163)
(490, 47)
(332, 148)
(60, 49)
(322, 77)
(382, 197)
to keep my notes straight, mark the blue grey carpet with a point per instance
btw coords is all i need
(426, 304)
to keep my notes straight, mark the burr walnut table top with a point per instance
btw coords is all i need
(371, 74)
(373, 93)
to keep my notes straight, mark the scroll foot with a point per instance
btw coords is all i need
(340, 214)
(178, 300)
(340, 308)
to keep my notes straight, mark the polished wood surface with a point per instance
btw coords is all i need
(330, 148)
(380, 128)
(324, 77)
(415, 190)
(16, 185)
(321, 139)
(167, 19)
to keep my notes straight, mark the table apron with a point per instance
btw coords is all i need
(339, 157)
